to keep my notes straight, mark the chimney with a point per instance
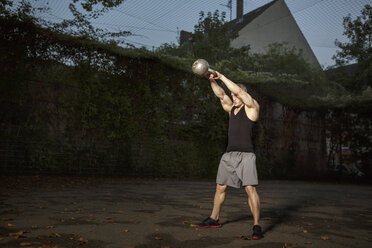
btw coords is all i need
(239, 9)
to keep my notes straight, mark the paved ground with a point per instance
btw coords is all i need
(72, 212)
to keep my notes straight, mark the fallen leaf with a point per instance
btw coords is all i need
(25, 244)
(192, 225)
(304, 231)
(324, 237)
(57, 235)
(240, 236)
(185, 222)
(47, 242)
(286, 246)
(9, 224)
(308, 243)
(83, 240)
(126, 230)
(73, 218)
(158, 238)
(16, 235)
(156, 229)
(49, 227)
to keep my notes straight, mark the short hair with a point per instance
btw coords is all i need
(242, 86)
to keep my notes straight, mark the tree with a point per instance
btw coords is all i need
(210, 39)
(89, 4)
(80, 25)
(358, 48)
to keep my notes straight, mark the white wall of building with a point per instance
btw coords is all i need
(275, 24)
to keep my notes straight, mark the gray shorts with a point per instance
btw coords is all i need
(237, 169)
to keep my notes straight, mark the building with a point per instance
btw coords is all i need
(271, 23)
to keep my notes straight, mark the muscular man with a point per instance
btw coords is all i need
(238, 164)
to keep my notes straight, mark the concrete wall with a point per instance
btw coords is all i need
(275, 24)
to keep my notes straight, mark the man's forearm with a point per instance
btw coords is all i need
(217, 90)
(234, 88)
(244, 96)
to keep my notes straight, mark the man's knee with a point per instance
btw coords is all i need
(250, 189)
(221, 188)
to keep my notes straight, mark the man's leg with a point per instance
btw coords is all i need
(219, 198)
(254, 203)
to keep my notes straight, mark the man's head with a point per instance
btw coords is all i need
(237, 102)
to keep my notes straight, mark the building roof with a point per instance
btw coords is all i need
(238, 24)
(347, 69)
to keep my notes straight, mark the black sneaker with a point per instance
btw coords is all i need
(209, 222)
(257, 232)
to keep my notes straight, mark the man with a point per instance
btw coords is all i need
(238, 164)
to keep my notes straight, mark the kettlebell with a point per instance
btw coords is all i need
(201, 68)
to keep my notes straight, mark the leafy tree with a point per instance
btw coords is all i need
(89, 4)
(358, 48)
(80, 25)
(210, 39)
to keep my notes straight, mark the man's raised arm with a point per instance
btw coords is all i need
(220, 93)
(246, 98)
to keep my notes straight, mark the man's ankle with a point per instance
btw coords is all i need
(213, 218)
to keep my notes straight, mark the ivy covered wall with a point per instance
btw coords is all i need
(72, 105)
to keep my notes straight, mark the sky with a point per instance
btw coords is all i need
(155, 22)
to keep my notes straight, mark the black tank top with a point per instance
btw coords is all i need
(240, 132)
